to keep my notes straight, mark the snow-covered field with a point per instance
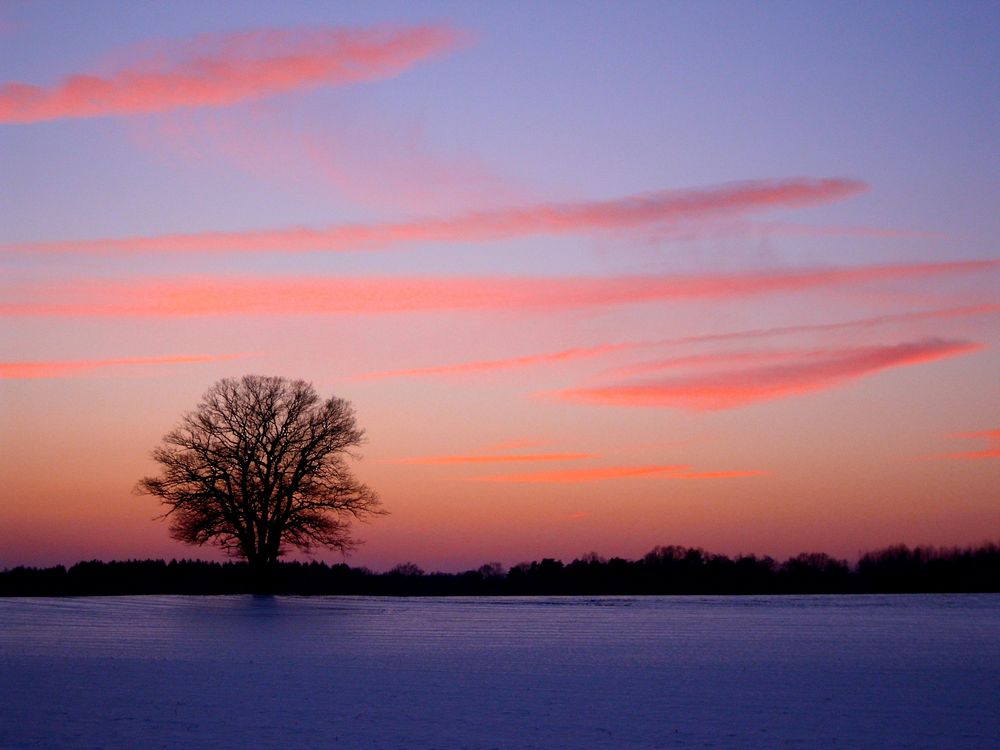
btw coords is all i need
(240, 672)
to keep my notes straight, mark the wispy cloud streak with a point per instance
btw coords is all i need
(573, 476)
(362, 156)
(540, 219)
(992, 439)
(223, 69)
(878, 320)
(74, 367)
(764, 229)
(600, 350)
(491, 365)
(728, 388)
(495, 458)
(753, 358)
(180, 296)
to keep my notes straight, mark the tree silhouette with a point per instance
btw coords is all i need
(259, 466)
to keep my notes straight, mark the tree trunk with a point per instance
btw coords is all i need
(263, 576)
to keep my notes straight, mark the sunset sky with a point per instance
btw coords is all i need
(595, 276)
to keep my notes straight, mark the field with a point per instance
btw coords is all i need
(656, 672)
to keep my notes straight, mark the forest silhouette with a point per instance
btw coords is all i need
(669, 570)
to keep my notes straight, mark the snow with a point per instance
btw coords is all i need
(617, 672)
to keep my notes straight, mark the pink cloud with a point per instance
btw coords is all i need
(991, 435)
(540, 219)
(572, 476)
(187, 296)
(600, 350)
(222, 69)
(758, 228)
(361, 155)
(879, 320)
(491, 365)
(715, 228)
(992, 439)
(495, 458)
(765, 381)
(70, 368)
(714, 358)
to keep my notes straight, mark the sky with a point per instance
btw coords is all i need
(595, 276)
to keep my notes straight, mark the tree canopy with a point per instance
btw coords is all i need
(258, 467)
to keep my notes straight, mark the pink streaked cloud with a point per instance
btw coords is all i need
(760, 228)
(200, 296)
(992, 439)
(991, 435)
(812, 371)
(878, 320)
(600, 350)
(361, 155)
(540, 219)
(74, 367)
(491, 365)
(495, 458)
(213, 70)
(713, 358)
(573, 476)
(711, 228)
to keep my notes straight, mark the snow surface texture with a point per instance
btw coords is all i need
(620, 672)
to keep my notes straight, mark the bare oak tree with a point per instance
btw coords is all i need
(259, 466)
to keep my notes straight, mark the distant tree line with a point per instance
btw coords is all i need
(664, 570)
